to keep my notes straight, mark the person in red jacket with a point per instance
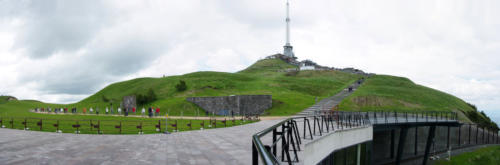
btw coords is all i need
(133, 110)
(158, 111)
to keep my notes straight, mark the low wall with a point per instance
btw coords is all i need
(237, 105)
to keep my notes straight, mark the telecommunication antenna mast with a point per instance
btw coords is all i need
(288, 49)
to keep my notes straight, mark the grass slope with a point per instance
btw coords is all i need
(291, 92)
(382, 92)
(482, 156)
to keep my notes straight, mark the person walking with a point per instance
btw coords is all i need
(107, 110)
(84, 110)
(133, 110)
(158, 111)
(119, 110)
(91, 110)
(143, 111)
(126, 111)
(150, 112)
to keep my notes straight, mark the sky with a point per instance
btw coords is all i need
(62, 51)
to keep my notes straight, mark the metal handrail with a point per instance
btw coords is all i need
(349, 119)
(343, 119)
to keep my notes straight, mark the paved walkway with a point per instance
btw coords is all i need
(215, 146)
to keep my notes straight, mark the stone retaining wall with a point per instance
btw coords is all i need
(237, 105)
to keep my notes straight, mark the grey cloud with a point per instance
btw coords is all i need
(100, 66)
(55, 25)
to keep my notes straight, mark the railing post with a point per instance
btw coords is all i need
(477, 133)
(255, 154)
(25, 123)
(459, 135)
(274, 141)
(469, 132)
(99, 127)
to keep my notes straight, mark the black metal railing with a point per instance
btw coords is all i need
(287, 135)
(386, 117)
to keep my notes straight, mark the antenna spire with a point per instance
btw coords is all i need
(288, 49)
(287, 23)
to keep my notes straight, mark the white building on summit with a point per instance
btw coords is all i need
(288, 49)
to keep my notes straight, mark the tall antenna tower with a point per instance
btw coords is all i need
(288, 49)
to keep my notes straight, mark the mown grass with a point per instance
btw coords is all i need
(482, 156)
(15, 111)
(382, 92)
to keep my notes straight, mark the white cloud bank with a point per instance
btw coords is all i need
(63, 51)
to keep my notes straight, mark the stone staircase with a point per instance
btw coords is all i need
(330, 102)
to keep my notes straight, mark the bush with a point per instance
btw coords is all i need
(144, 99)
(481, 119)
(105, 99)
(181, 86)
(292, 73)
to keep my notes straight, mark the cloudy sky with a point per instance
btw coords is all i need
(63, 51)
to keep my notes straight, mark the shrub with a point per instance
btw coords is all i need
(292, 73)
(105, 99)
(181, 86)
(144, 99)
(481, 119)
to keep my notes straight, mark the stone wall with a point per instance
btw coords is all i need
(237, 105)
(129, 102)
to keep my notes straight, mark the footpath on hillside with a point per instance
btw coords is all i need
(330, 102)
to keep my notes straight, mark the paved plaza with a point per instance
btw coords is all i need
(215, 146)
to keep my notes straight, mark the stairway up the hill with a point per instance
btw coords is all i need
(330, 102)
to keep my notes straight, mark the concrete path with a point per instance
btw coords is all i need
(215, 146)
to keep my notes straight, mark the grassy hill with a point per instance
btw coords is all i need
(291, 92)
(383, 92)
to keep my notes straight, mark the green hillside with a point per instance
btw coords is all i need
(291, 92)
(382, 92)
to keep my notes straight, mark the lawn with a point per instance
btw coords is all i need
(13, 114)
(482, 156)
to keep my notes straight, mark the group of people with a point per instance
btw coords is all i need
(55, 110)
(151, 111)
